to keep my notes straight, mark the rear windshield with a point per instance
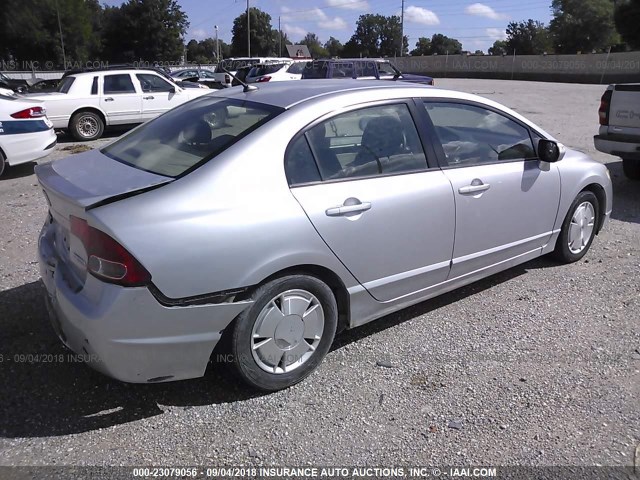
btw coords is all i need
(65, 84)
(189, 135)
(315, 70)
(297, 67)
(260, 70)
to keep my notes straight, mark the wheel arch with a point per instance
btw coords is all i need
(324, 274)
(88, 108)
(601, 196)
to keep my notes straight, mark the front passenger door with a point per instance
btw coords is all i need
(506, 199)
(158, 95)
(363, 180)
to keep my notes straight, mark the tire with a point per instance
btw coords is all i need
(3, 164)
(271, 349)
(85, 126)
(578, 228)
(631, 168)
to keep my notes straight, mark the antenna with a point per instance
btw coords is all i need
(246, 88)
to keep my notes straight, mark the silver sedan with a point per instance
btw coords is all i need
(274, 218)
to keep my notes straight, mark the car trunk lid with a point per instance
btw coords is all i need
(624, 110)
(76, 184)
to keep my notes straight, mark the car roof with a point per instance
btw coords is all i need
(114, 71)
(288, 94)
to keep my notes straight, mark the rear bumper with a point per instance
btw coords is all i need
(124, 332)
(615, 145)
(28, 147)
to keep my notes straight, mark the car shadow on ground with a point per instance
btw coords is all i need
(626, 195)
(46, 392)
(109, 133)
(18, 171)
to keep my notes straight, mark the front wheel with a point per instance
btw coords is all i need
(631, 168)
(578, 228)
(286, 333)
(85, 126)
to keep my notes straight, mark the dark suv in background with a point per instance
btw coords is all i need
(362, 68)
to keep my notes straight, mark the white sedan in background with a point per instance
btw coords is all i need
(26, 134)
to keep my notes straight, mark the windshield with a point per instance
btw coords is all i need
(190, 135)
(386, 68)
(3, 77)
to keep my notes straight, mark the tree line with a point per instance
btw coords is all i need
(154, 30)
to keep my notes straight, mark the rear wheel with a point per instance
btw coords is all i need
(631, 167)
(286, 333)
(578, 228)
(86, 126)
(3, 163)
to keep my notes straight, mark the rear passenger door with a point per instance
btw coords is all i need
(363, 180)
(120, 101)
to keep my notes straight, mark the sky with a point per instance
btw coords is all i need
(475, 25)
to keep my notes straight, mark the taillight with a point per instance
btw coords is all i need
(265, 78)
(33, 112)
(107, 259)
(603, 111)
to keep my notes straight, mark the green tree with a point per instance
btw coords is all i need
(316, 49)
(154, 31)
(499, 48)
(582, 25)
(627, 21)
(441, 45)
(423, 47)
(334, 47)
(204, 51)
(528, 37)
(261, 38)
(376, 36)
(279, 43)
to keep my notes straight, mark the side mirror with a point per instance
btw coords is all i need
(549, 151)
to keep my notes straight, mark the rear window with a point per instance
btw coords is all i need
(315, 70)
(297, 67)
(189, 135)
(65, 84)
(260, 70)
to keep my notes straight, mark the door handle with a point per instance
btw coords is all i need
(483, 187)
(344, 209)
(108, 99)
(149, 98)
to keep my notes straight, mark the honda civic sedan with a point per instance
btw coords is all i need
(273, 218)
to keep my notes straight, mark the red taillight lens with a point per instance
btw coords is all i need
(33, 112)
(265, 78)
(107, 259)
(603, 111)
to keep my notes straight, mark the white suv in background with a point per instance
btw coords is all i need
(277, 72)
(86, 103)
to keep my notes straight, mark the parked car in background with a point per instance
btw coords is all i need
(279, 215)
(86, 103)
(619, 133)
(277, 72)
(360, 68)
(228, 67)
(15, 84)
(199, 75)
(25, 132)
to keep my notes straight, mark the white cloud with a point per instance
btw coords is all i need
(349, 4)
(198, 34)
(293, 30)
(420, 15)
(496, 34)
(285, 17)
(482, 10)
(324, 21)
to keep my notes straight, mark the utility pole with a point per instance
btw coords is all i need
(64, 57)
(279, 38)
(217, 45)
(402, 28)
(248, 32)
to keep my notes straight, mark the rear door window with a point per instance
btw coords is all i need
(120, 83)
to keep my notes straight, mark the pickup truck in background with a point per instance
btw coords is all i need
(620, 126)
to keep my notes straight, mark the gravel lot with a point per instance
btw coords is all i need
(539, 365)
